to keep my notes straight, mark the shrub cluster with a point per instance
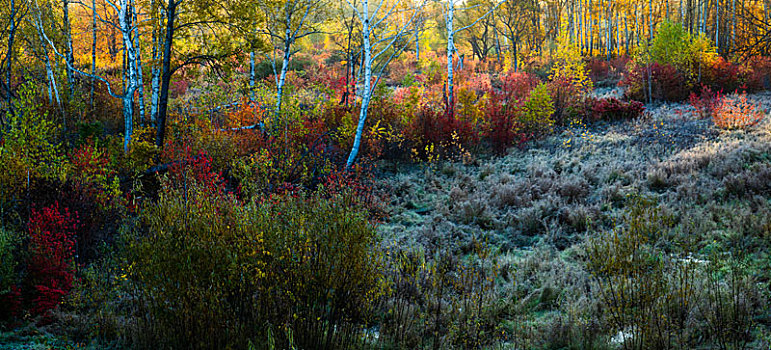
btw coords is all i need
(212, 271)
(611, 109)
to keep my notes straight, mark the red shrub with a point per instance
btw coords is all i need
(721, 75)
(503, 129)
(92, 173)
(568, 99)
(611, 109)
(758, 73)
(10, 304)
(599, 69)
(196, 167)
(706, 101)
(50, 264)
(517, 86)
(357, 181)
(179, 88)
(737, 113)
(668, 84)
(435, 127)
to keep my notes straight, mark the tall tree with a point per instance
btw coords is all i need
(382, 30)
(286, 23)
(449, 18)
(208, 29)
(126, 26)
(515, 18)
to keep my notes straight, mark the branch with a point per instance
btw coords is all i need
(480, 18)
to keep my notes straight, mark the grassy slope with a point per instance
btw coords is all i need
(539, 205)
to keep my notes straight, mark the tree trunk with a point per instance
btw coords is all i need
(68, 42)
(417, 45)
(130, 86)
(516, 59)
(367, 84)
(251, 75)
(591, 25)
(140, 82)
(650, 20)
(163, 101)
(609, 28)
(450, 54)
(288, 39)
(626, 35)
(93, 53)
(156, 71)
(717, 25)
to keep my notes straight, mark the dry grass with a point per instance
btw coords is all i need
(538, 206)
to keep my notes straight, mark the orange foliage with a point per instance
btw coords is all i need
(737, 113)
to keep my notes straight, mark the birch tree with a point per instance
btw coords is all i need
(381, 27)
(449, 18)
(285, 25)
(126, 26)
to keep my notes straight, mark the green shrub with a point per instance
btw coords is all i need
(673, 45)
(211, 272)
(30, 147)
(656, 299)
(441, 301)
(10, 301)
(7, 260)
(536, 113)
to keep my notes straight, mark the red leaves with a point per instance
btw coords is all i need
(667, 83)
(197, 168)
(706, 102)
(52, 250)
(10, 303)
(611, 109)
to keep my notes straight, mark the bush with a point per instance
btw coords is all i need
(503, 127)
(706, 102)
(673, 45)
(758, 73)
(441, 301)
(436, 133)
(667, 83)
(516, 86)
(722, 75)
(611, 109)
(568, 101)
(29, 148)
(212, 272)
(536, 114)
(50, 267)
(568, 64)
(737, 112)
(9, 292)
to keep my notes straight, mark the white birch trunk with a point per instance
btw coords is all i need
(367, 83)
(251, 76)
(140, 82)
(69, 55)
(717, 25)
(93, 51)
(284, 67)
(450, 52)
(156, 71)
(124, 18)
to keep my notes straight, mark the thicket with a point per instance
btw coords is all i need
(244, 229)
